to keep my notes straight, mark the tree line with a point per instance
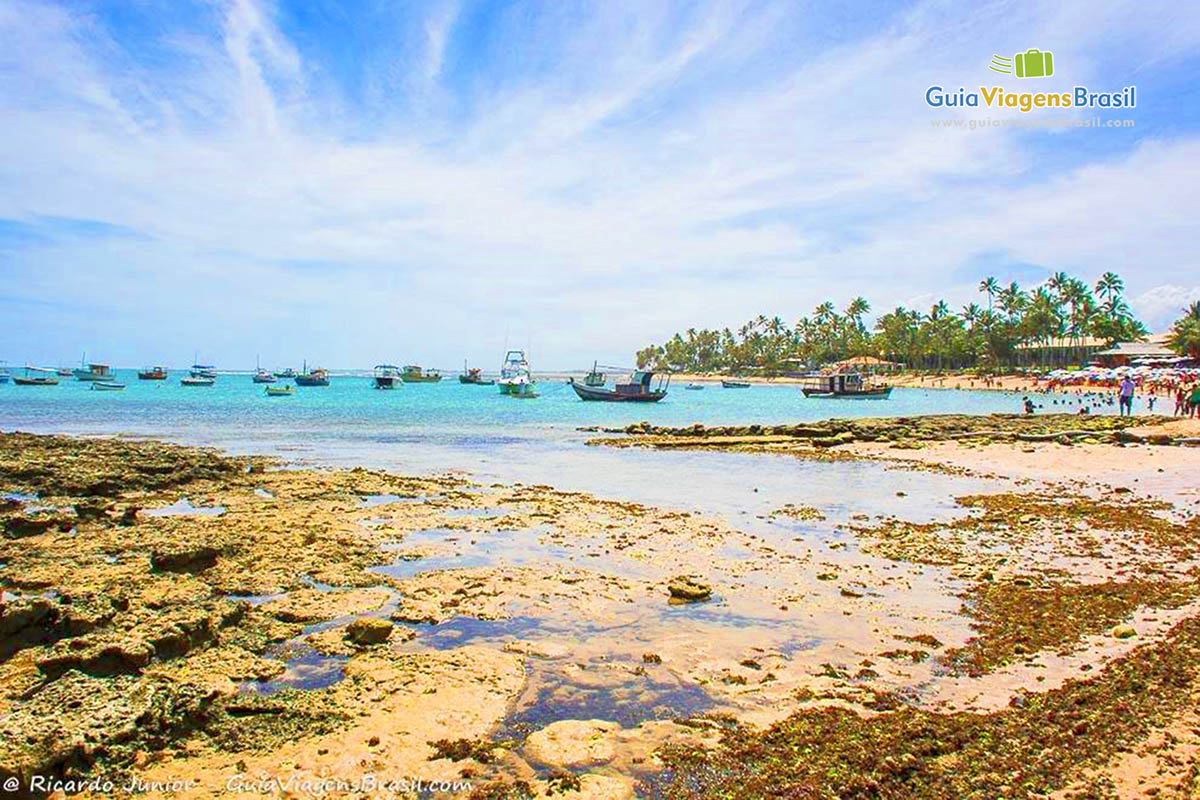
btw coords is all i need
(1046, 326)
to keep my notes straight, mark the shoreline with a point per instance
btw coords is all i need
(544, 618)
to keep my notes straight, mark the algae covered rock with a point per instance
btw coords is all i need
(368, 631)
(1124, 632)
(687, 589)
(183, 557)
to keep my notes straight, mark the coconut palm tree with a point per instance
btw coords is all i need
(989, 286)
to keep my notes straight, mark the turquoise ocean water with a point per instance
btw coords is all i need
(428, 428)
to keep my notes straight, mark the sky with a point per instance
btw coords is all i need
(427, 182)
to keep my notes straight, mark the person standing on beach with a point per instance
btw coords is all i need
(1126, 396)
(1180, 402)
(1195, 404)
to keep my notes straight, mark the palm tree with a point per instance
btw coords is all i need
(989, 286)
(1110, 285)
(1185, 333)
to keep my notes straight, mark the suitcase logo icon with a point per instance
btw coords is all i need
(1033, 63)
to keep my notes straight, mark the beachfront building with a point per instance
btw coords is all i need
(1122, 354)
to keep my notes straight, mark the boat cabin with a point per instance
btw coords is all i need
(842, 383)
(639, 383)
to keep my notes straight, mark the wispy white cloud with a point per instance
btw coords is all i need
(654, 169)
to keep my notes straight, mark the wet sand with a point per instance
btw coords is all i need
(316, 626)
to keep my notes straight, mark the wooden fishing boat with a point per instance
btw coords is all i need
(637, 390)
(474, 376)
(5, 375)
(515, 377)
(414, 374)
(314, 377)
(152, 374)
(107, 386)
(92, 372)
(63, 372)
(728, 383)
(194, 380)
(387, 376)
(287, 373)
(844, 385)
(36, 380)
(280, 391)
(694, 387)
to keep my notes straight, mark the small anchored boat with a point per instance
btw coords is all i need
(280, 391)
(261, 375)
(474, 376)
(728, 383)
(152, 374)
(844, 385)
(92, 372)
(44, 379)
(287, 373)
(639, 389)
(314, 377)
(107, 386)
(515, 377)
(195, 380)
(387, 376)
(694, 387)
(203, 371)
(414, 374)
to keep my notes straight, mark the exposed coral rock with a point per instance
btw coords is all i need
(573, 743)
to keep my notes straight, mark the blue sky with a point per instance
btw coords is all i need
(420, 181)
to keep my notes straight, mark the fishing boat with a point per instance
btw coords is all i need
(27, 379)
(261, 375)
(5, 375)
(196, 380)
(727, 383)
(315, 377)
(844, 385)
(514, 374)
(107, 386)
(203, 371)
(287, 373)
(280, 391)
(63, 372)
(152, 374)
(92, 372)
(387, 376)
(639, 389)
(414, 374)
(474, 376)
(694, 387)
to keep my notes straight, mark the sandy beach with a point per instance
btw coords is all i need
(178, 618)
